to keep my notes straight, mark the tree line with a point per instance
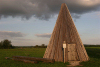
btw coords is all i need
(6, 44)
(40, 46)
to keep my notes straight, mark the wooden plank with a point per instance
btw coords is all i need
(60, 43)
(26, 61)
(77, 57)
(61, 39)
(7, 58)
(47, 52)
(76, 38)
(52, 43)
(69, 55)
(74, 52)
(73, 40)
(55, 40)
(86, 58)
(59, 20)
(77, 47)
(72, 24)
(23, 60)
(48, 49)
(35, 59)
(80, 50)
(71, 52)
(57, 48)
(81, 45)
(65, 33)
(67, 41)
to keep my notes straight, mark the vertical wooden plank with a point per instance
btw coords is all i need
(69, 57)
(48, 49)
(65, 33)
(57, 30)
(58, 39)
(80, 41)
(70, 21)
(61, 39)
(71, 52)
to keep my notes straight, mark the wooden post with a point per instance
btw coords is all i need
(64, 55)
(64, 46)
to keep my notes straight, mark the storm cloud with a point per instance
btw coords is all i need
(45, 9)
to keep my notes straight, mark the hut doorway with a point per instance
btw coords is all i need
(71, 52)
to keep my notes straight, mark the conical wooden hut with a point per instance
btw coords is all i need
(65, 30)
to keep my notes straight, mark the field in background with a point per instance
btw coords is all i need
(93, 52)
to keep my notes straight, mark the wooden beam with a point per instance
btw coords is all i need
(23, 60)
(35, 59)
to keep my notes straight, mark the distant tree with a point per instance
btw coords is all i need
(1, 44)
(43, 46)
(40, 46)
(6, 44)
(36, 46)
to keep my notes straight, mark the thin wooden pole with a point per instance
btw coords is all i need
(64, 55)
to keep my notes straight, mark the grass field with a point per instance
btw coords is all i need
(93, 52)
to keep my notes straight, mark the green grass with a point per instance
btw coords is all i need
(93, 52)
(94, 55)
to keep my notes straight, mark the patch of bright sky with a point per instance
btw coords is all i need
(30, 27)
(88, 26)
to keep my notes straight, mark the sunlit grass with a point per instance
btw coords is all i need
(93, 52)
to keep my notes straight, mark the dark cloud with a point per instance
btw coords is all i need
(47, 35)
(44, 9)
(10, 34)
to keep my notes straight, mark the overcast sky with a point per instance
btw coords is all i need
(31, 22)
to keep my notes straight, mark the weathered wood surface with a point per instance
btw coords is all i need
(65, 30)
(26, 61)
(35, 59)
(7, 58)
(23, 60)
(71, 52)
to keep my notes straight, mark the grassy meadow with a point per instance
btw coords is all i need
(93, 52)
